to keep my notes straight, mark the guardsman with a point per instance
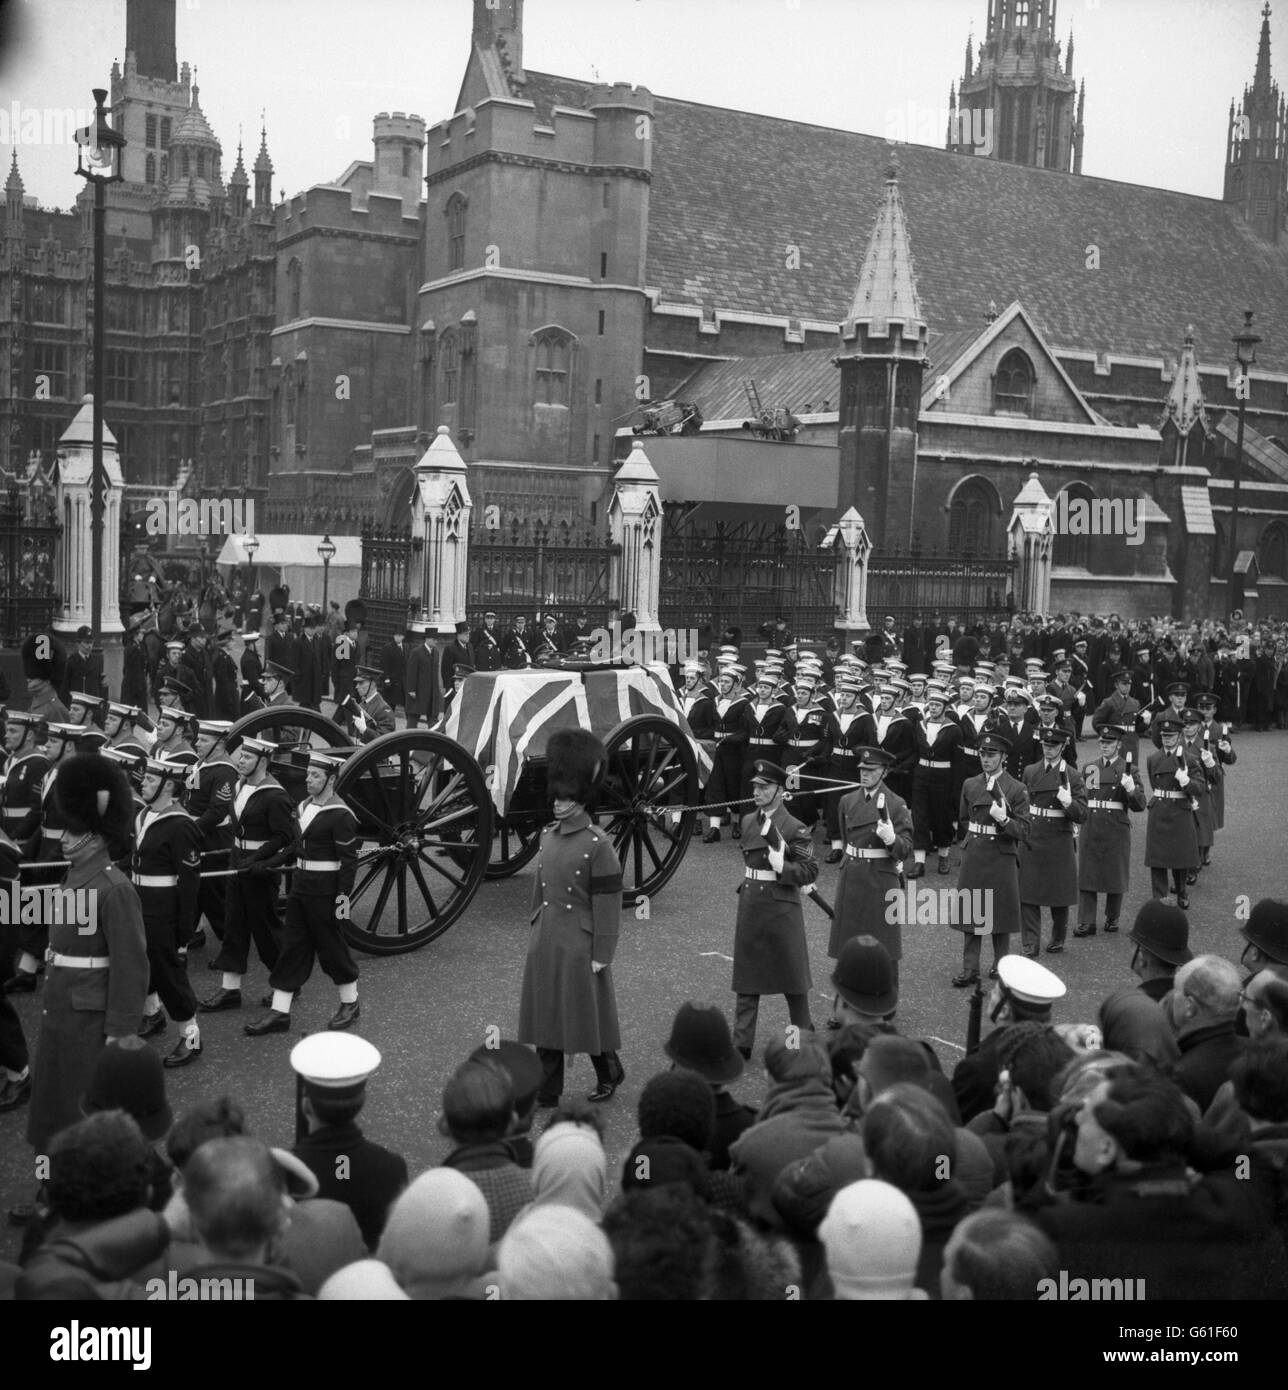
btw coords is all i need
(164, 869)
(809, 750)
(1204, 788)
(769, 953)
(993, 820)
(1122, 708)
(877, 830)
(252, 673)
(1049, 867)
(123, 725)
(894, 734)
(731, 730)
(212, 784)
(486, 642)
(85, 710)
(852, 730)
(173, 726)
(933, 812)
(1104, 846)
(369, 715)
(325, 853)
(771, 729)
(262, 829)
(1171, 837)
(1217, 736)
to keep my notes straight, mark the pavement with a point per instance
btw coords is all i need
(426, 1011)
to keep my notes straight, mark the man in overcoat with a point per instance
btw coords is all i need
(1104, 846)
(1048, 866)
(1218, 736)
(420, 678)
(769, 950)
(876, 827)
(1171, 836)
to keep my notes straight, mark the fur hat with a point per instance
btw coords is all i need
(93, 795)
(51, 668)
(573, 760)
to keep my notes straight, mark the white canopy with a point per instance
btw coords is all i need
(294, 561)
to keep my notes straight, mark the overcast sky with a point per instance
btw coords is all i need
(1160, 74)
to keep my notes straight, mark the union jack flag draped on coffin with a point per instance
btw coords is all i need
(503, 717)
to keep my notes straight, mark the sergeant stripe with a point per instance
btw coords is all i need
(605, 883)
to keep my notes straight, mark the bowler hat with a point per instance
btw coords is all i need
(700, 1041)
(864, 976)
(128, 1076)
(1164, 931)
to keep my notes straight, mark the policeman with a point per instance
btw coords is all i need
(993, 820)
(164, 869)
(866, 983)
(769, 952)
(1266, 934)
(372, 716)
(326, 860)
(262, 828)
(936, 738)
(1104, 846)
(1171, 837)
(877, 832)
(1216, 736)
(1048, 867)
(212, 784)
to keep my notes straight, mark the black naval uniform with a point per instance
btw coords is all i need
(210, 801)
(326, 862)
(164, 869)
(252, 670)
(263, 828)
(45, 844)
(811, 752)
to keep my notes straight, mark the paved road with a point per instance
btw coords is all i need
(426, 1011)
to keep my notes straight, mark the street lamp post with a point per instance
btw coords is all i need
(250, 544)
(99, 153)
(1245, 351)
(326, 549)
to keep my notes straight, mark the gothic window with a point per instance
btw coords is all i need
(165, 132)
(201, 164)
(49, 360)
(294, 281)
(1272, 551)
(1021, 14)
(1013, 385)
(165, 167)
(48, 302)
(1261, 200)
(1070, 549)
(905, 403)
(455, 210)
(874, 402)
(554, 352)
(184, 165)
(121, 370)
(150, 132)
(150, 169)
(972, 520)
(449, 357)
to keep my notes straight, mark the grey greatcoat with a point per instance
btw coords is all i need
(1104, 846)
(1205, 790)
(769, 953)
(1226, 757)
(992, 861)
(861, 902)
(1171, 836)
(576, 914)
(1049, 865)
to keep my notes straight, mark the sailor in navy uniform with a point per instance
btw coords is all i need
(23, 773)
(894, 734)
(212, 784)
(121, 724)
(697, 702)
(853, 728)
(262, 828)
(809, 750)
(771, 728)
(173, 724)
(325, 851)
(85, 710)
(164, 869)
(487, 645)
(372, 716)
(1104, 846)
(936, 738)
(730, 733)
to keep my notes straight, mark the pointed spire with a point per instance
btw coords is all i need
(14, 182)
(238, 177)
(1261, 82)
(262, 161)
(1068, 55)
(970, 53)
(1185, 406)
(887, 282)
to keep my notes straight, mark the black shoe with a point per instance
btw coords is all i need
(943, 863)
(711, 835)
(992, 974)
(966, 977)
(1207, 859)
(220, 1000)
(272, 1022)
(835, 857)
(345, 1017)
(1081, 931)
(15, 1093)
(153, 1024)
(198, 939)
(735, 831)
(182, 1055)
(604, 1091)
(1110, 928)
(1183, 901)
(916, 871)
(1191, 877)
(1054, 947)
(21, 982)
(1031, 953)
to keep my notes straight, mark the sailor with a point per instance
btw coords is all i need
(936, 738)
(732, 729)
(173, 725)
(126, 726)
(85, 710)
(809, 749)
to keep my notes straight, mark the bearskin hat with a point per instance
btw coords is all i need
(573, 760)
(52, 668)
(93, 795)
(355, 612)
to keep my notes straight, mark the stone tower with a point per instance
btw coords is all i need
(1017, 100)
(1256, 154)
(882, 361)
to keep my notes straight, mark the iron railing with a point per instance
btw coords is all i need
(537, 568)
(27, 569)
(916, 584)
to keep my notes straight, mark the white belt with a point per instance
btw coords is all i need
(927, 762)
(804, 742)
(12, 811)
(867, 853)
(762, 875)
(319, 866)
(1104, 805)
(52, 834)
(251, 844)
(78, 962)
(966, 748)
(156, 880)
(1173, 796)
(982, 829)
(768, 742)
(1044, 811)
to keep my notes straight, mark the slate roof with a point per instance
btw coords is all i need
(731, 190)
(1198, 511)
(1260, 452)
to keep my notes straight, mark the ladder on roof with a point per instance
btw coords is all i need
(753, 397)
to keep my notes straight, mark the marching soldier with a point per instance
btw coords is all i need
(894, 734)
(771, 728)
(368, 715)
(1048, 867)
(976, 719)
(878, 833)
(731, 731)
(1121, 708)
(852, 730)
(212, 784)
(487, 644)
(1204, 788)
(252, 672)
(325, 851)
(1177, 697)
(769, 952)
(1218, 737)
(811, 750)
(936, 740)
(164, 869)
(1171, 837)
(1030, 742)
(1104, 846)
(262, 829)
(993, 820)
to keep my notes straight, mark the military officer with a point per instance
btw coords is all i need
(993, 820)
(212, 784)
(1104, 846)
(227, 692)
(769, 952)
(1204, 788)
(164, 869)
(276, 693)
(809, 750)
(372, 717)
(975, 719)
(325, 852)
(731, 730)
(852, 730)
(1171, 837)
(1218, 737)
(936, 738)
(262, 829)
(1121, 708)
(877, 831)
(548, 646)
(1029, 743)
(1177, 697)
(252, 671)
(1048, 866)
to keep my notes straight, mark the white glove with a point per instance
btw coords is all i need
(597, 966)
(1207, 759)
(777, 858)
(1065, 797)
(999, 812)
(885, 832)
(1224, 745)
(1128, 783)
(1145, 716)
(1182, 777)
(1082, 697)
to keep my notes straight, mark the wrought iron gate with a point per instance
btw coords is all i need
(920, 584)
(27, 549)
(537, 567)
